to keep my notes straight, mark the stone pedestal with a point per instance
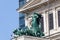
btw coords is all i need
(28, 38)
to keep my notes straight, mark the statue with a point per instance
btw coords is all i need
(34, 30)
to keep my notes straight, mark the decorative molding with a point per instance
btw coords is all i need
(23, 9)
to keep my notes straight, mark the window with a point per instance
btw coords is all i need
(59, 18)
(42, 24)
(22, 25)
(21, 3)
(50, 19)
(21, 21)
(22, 17)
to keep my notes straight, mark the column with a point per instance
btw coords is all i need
(45, 23)
(55, 19)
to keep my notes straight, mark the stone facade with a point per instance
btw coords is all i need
(45, 8)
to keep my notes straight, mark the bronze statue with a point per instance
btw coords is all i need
(35, 30)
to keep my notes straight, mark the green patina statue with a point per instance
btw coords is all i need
(34, 30)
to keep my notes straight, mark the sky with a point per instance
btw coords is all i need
(9, 18)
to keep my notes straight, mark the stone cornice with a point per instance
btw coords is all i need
(31, 7)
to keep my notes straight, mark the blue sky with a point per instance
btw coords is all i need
(8, 18)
